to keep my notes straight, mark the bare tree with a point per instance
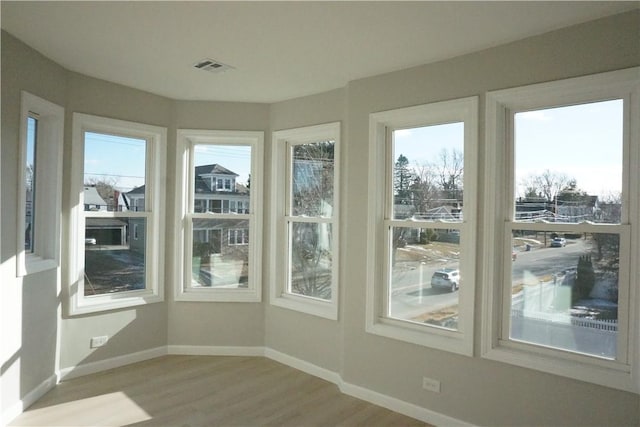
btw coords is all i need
(450, 172)
(611, 208)
(30, 176)
(530, 187)
(313, 194)
(424, 188)
(550, 183)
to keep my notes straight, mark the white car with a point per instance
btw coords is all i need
(446, 278)
(90, 241)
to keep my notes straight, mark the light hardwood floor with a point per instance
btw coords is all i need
(194, 391)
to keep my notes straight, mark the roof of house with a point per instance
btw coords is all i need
(91, 197)
(213, 169)
(201, 186)
(137, 190)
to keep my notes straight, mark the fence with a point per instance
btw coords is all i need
(609, 325)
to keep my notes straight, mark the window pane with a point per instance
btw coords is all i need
(220, 254)
(114, 257)
(312, 173)
(311, 259)
(569, 163)
(428, 168)
(114, 173)
(425, 275)
(222, 176)
(565, 291)
(30, 184)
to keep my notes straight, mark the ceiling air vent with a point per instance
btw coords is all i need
(212, 66)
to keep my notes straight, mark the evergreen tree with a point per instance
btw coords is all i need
(402, 179)
(585, 279)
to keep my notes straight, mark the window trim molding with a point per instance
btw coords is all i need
(281, 187)
(464, 110)
(186, 140)
(156, 138)
(498, 164)
(50, 137)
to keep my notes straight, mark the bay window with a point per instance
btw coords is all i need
(116, 225)
(562, 227)
(305, 219)
(218, 250)
(40, 193)
(422, 217)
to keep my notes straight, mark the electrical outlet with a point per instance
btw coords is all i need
(431, 384)
(99, 341)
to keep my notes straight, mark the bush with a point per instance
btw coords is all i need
(427, 236)
(585, 279)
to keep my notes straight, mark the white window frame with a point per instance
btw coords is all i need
(501, 106)
(282, 142)
(48, 197)
(186, 141)
(380, 218)
(154, 202)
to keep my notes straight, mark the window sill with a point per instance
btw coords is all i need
(35, 264)
(218, 295)
(324, 309)
(101, 303)
(436, 338)
(602, 372)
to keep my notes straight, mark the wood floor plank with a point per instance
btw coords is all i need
(204, 391)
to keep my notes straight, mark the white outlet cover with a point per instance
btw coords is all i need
(99, 341)
(431, 384)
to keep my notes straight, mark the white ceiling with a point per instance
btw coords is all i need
(280, 50)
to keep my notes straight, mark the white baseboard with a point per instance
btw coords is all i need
(201, 350)
(114, 362)
(401, 407)
(303, 366)
(397, 405)
(28, 400)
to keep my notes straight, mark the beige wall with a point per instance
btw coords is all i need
(202, 323)
(129, 330)
(28, 305)
(310, 338)
(474, 390)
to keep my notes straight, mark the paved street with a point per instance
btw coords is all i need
(412, 294)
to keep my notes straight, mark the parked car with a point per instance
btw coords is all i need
(558, 242)
(446, 278)
(90, 241)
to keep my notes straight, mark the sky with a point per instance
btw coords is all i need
(424, 145)
(583, 142)
(121, 160)
(115, 159)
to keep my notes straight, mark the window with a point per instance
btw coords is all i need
(562, 219)
(305, 219)
(117, 222)
(239, 237)
(219, 252)
(40, 169)
(422, 219)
